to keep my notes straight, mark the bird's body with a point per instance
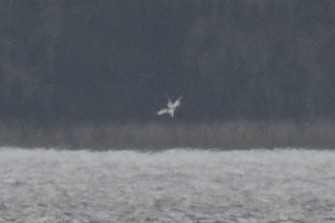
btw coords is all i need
(171, 107)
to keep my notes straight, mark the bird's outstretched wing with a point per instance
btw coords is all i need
(163, 111)
(177, 103)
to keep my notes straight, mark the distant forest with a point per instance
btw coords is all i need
(114, 61)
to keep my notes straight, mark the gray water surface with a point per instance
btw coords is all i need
(177, 185)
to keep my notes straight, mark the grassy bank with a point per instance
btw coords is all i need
(155, 136)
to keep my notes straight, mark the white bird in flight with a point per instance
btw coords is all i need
(171, 107)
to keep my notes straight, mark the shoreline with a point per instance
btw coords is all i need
(160, 136)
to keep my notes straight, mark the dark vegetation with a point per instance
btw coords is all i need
(92, 73)
(156, 136)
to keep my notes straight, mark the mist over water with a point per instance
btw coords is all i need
(177, 185)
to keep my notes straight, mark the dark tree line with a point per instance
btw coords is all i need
(112, 61)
